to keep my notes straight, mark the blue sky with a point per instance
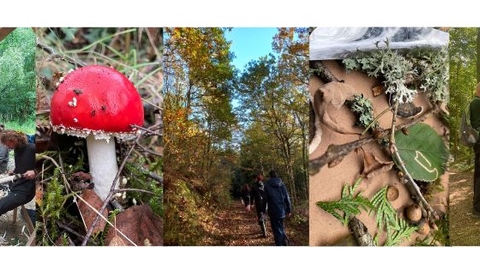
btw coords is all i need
(250, 43)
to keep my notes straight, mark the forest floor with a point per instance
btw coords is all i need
(464, 227)
(14, 234)
(235, 226)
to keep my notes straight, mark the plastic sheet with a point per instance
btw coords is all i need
(330, 43)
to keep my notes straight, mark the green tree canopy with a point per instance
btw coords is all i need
(17, 76)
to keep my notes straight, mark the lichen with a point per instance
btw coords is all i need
(405, 74)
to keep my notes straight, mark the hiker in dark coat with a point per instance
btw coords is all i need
(257, 201)
(246, 196)
(278, 207)
(475, 121)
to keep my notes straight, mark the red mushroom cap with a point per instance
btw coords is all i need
(96, 99)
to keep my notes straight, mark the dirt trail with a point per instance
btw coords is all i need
(237, 227)
(464, 227)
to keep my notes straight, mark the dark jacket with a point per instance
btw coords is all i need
(475, 113)
(277, 198)
(257, 196)
(246, 195)
(24, 161)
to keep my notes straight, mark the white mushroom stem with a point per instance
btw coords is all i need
(103, 164)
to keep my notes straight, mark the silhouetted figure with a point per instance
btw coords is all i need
(278, 207)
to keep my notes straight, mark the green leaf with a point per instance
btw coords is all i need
(386, 214)
(423, 152)
(350, 204)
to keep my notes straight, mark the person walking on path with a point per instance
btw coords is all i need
(279, 207)
(257, 201)
(246, 196)
(475, 121)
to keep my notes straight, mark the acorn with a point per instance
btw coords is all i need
(392, 193)
(423, 228)
(413, 213)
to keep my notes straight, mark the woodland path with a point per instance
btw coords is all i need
(464, 227)
(237, 227)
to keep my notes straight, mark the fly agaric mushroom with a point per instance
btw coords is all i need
(97, 102)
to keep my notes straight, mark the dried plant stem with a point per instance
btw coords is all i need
(375, 120)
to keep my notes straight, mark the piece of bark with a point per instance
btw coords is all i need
(360, 232)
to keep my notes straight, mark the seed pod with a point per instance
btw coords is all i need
(392, 193)
(423, 228)
(413, 213)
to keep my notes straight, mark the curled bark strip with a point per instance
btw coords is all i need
(360, 232)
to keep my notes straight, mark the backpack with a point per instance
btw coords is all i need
(468, 135)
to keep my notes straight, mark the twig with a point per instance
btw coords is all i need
(335, 153)
(68, 229)
(147, 130)
(407, 179)
(133, 189)
(63, 57)
(99, 214)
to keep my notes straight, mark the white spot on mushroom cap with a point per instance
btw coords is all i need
(73, 102)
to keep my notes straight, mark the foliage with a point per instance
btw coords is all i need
(51, 209)
(350, 203)
(199, 121)
(386, 214)
(185, 215)
(398, 232)
(462, 55)
(17, 77)
(404, 75)
(396, 228)
(363, 108)
(423, 152)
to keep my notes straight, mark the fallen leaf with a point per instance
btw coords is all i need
(89, 204)
(373, 166)
(336, 93)
(117, 241)
(138, 223)
(328, 100)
